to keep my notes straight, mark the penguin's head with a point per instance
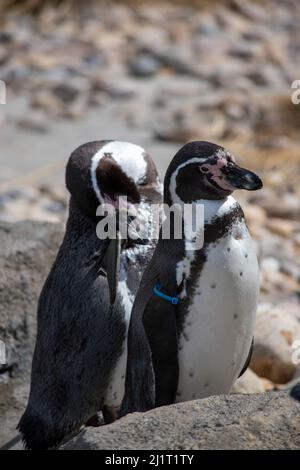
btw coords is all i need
(103, 171)
(203, 170)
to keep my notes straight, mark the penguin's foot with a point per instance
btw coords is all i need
(110, 413)
(95, 421)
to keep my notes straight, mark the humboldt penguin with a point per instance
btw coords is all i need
(191, 328)
(79, 361)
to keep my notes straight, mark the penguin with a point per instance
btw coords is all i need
(295, 392)
(192, 323)
(84, 309)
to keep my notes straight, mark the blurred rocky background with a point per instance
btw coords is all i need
(158, 74)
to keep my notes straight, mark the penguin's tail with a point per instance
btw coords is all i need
(295, 392)
(36, 432)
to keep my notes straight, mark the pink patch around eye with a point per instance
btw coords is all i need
(216, 174)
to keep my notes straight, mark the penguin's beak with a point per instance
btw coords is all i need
(237, 177)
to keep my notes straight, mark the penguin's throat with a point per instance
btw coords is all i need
(216, 208)
(211, 208)
(206, 215)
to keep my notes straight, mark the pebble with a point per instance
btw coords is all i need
(144, 66)
(275, 332)
(254, 214)
(287, 207)
(249, 382)
(281, 227)
(269, 264)
(36, 122)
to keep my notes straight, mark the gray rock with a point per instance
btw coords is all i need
(144, 66)
(27, 251)
(276, 330)
(249, 382)
(10, 195)
(257, 421)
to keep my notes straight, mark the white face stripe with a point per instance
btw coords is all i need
(174, 196)
(130, 158)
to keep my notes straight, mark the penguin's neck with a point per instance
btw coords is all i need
(208, 210)
(216, 208)
(80, 222)
(81, 231)
(198, 224)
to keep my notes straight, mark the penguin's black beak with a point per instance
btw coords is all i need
(241, 178)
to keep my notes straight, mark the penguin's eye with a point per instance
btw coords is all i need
(204, 169)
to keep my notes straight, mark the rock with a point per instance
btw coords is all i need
(144, 66)
(10, 195)
(275, 281)
(291, 268)
(296, 239)
(175, 133)
(36, 122)
(5, 37)
(46, 101)
(249, 382)
(55, 207)
(22, 209)
(275, 332)
(251, 11)
(43, 61)
(281, 227)
(207, 25)
(268, 385)
(246, 51)
(122, 91)
(27, 251)
(287, 207)
(256, 421)
(183, 128)
(292, 306)
(269, 264)
(66, 92)
(181, 61)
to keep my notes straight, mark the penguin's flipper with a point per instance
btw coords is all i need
(246, 365)
(152, 365)
(139, 384)
(161, 329)
(112, 265)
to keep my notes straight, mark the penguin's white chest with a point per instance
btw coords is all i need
(219, 321)
(116, 386)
